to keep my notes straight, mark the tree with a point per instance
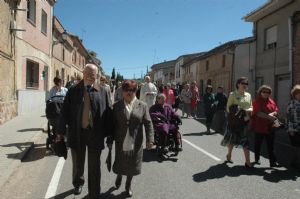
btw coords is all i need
(113, 74)
(92, 53)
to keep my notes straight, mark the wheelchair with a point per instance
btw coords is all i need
(167, 144)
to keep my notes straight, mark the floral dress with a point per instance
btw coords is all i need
(239, 139)
(293, 121)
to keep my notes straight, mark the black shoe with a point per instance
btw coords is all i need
(274, 164)
(77, 190)
(257, 162)
(118, 181)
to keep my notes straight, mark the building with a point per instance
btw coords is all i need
(272, 28)
(33, 53)
(296, 48)
(180, 72)
(163, 72)
(62, 51)
(8, 100)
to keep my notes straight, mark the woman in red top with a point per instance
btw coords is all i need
(264, 113)
(170, 98)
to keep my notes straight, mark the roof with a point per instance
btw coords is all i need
(164, 64)
(266, 9)
(227, 45)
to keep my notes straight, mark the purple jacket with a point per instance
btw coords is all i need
(161, 118)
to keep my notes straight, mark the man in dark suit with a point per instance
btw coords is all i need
(86, 112)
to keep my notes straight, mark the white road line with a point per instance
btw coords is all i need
(202, 150)
(51, 191)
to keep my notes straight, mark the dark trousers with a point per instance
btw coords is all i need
(259, 137)
(209, 116)
(78, 160)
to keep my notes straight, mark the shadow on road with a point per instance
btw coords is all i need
(152, 156)
(222, 170)
(63, 195)
(37, 151)
(109, 194)
(199, 134)
(31, 129)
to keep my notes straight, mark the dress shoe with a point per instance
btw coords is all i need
(228, 159)
(118, 181)
(77, 190)
(257, 162)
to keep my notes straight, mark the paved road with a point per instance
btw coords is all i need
(198, 172)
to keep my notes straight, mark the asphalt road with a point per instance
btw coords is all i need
(198, 172)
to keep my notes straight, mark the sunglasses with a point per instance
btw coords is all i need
(267, 92)
(129, 90)
(244, 83)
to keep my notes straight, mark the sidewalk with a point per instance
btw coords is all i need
(17, 136)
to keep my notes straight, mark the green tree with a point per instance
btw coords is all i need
(113, 74)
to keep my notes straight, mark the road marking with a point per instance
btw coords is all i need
(51, 191)
(202, 150)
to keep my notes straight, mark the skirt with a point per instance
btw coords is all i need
(239, 139)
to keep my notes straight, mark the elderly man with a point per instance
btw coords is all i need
(85, 111)
(148, 92)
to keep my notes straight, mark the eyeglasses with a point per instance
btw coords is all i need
(267, 92)
(129, 90)
(244, 83)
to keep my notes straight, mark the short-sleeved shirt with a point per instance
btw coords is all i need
(244, 101)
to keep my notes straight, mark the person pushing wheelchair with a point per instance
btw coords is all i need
(165, 122)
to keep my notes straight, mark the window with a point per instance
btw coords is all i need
(31, 10)
(208, 82)
(207, 65)
(271, 38)
(57, 73)
(44, 22)
(63, 53)
(223, 61)
(32, 74)
(83, 62)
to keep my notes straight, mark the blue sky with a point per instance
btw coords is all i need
(133, 34)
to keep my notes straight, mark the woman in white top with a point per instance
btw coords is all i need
(58, 89)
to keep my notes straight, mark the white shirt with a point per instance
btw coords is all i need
(151, 90)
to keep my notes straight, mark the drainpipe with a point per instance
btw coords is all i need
(290, 26)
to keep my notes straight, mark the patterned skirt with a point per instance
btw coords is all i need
(238, 139)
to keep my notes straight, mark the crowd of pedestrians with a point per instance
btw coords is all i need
(89, 115)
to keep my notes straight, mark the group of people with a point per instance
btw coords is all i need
(237, 116)
(88, 117)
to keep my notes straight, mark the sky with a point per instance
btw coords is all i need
(131, 35)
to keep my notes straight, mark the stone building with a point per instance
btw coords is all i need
(296, 48)
(272, 28)
(8, 101)
(164, 72)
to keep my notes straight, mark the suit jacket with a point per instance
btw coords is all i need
(71, 115)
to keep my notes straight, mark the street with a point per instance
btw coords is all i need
(198, 172)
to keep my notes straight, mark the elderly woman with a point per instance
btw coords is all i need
(186, 96)
(264, 114)
(129, 117)
(58, 89)
(241, 99)
(293, 122)
(163, 116)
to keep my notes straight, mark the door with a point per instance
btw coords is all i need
(283, 88)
